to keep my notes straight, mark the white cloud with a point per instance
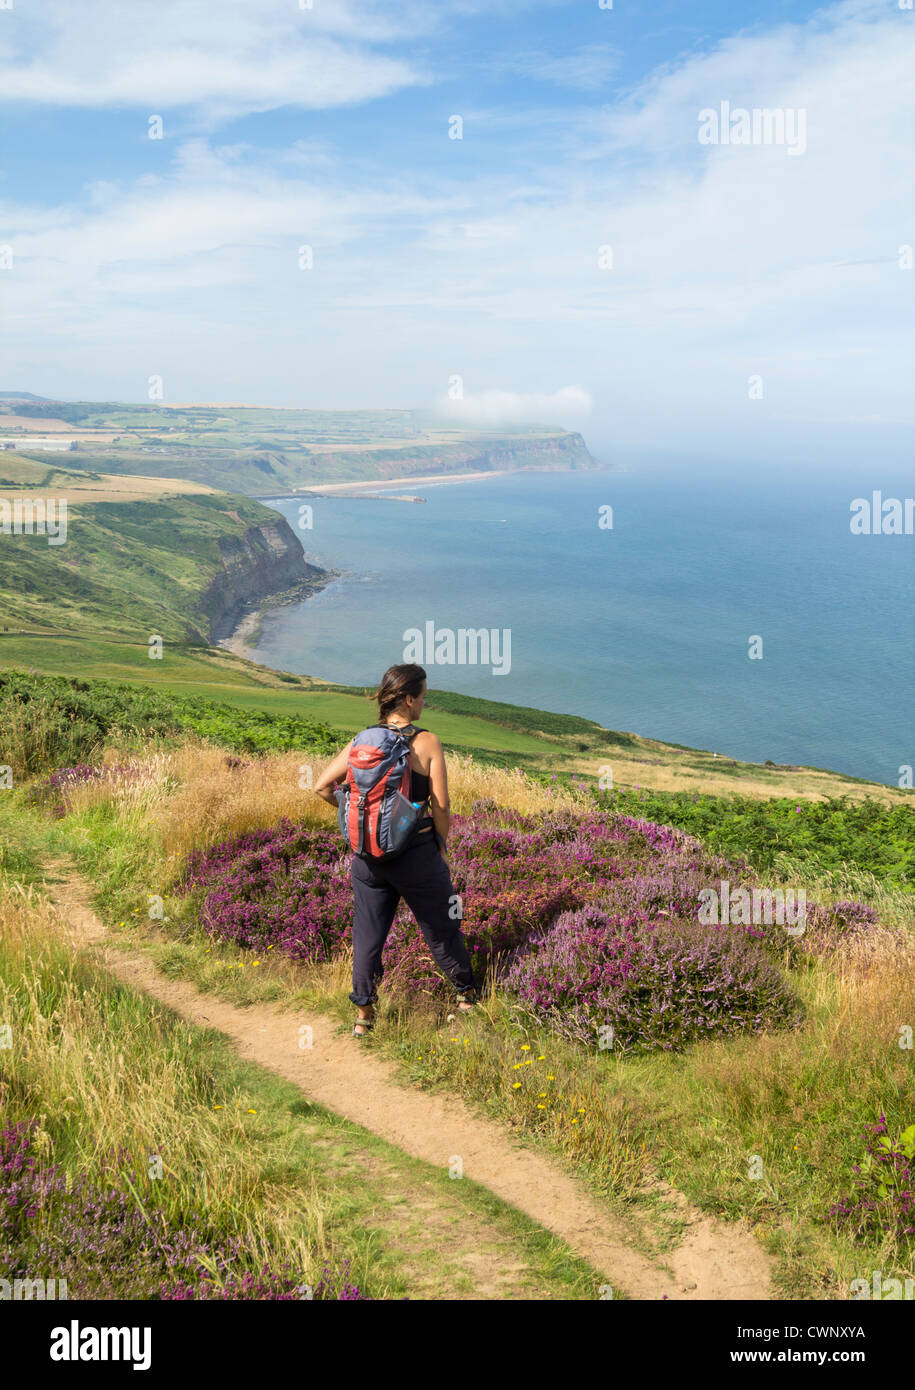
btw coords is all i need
(569, 407)
(226, 59)
(727, 262)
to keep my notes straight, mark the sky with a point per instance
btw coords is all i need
(309, 232)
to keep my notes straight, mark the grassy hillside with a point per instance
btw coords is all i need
(131, 566)
(793, 1054)
(180, 781)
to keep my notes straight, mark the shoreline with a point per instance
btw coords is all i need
(370, 486)
(433, 478)
(242, 637)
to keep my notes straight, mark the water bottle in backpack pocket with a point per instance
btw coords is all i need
(374, 811)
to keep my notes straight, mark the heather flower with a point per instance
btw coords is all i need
(94, 1235)
(883, 1199)
(606, 882)
(654, 985)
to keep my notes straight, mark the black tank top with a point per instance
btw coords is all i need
(419, 786)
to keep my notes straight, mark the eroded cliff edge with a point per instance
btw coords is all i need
(264, 567)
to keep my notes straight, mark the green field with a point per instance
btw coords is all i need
(541, 742)
(262, 452)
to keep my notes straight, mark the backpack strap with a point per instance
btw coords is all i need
(414, 729)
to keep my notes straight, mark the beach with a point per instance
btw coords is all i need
(374, 484)
(244, 636)
(246, 632)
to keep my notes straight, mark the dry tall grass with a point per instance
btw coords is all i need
(115, 1072)
(196, 795)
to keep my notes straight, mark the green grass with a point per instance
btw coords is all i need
(799, 1102)
(833, 835)
(247, 717)
(25, 839)
(127, 570)
(520, 718)
(244, 1153)
(50, 722)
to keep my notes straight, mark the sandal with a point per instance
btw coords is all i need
(367, 1023)
(467, 1001)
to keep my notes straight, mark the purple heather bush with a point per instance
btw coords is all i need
(54, 792)
(828, 926)
(95, 1236)
(655, 985)
(288, 886)
(621, 894)
(883, 1200)
(279, 1286)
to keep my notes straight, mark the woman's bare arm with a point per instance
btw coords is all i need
(438, 787)
(334, 772)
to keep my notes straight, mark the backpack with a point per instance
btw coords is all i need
(374, 811)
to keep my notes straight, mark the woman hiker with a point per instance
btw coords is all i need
(419, 874)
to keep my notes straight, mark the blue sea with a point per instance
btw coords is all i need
(645, 625)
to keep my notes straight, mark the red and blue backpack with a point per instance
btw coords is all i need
(374, 811)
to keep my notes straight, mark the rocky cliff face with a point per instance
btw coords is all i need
(560, 451)
(478, 455)
(265, 563)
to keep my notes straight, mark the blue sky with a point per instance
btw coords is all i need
(478, 258)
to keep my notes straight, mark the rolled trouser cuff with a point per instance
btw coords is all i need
(363, 1000)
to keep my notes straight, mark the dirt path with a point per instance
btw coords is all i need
(713, 1262)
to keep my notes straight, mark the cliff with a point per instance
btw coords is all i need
(172, 565)
(265, 564)
(262, 452)
(472, 454)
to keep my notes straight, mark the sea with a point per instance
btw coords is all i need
(724, 607)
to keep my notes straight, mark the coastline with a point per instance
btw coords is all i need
(363, 485)
(241, 641)
(369, 487)
(244, 630)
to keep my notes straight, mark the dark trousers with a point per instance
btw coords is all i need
(420, 876)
